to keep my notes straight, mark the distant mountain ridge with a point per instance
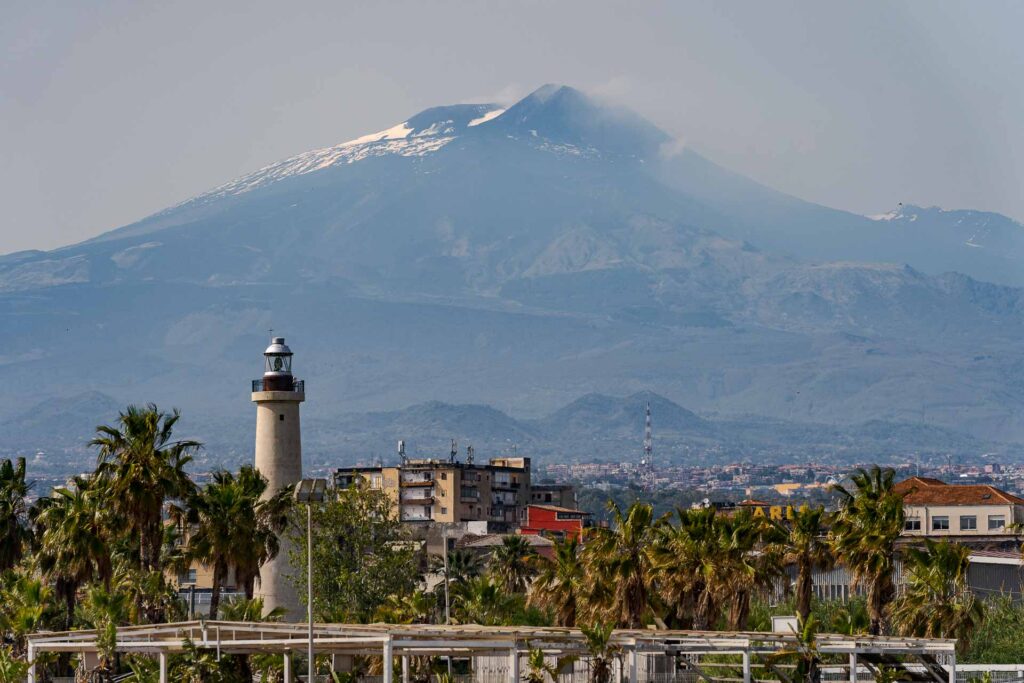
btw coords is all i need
(595, 427)
(522, 258)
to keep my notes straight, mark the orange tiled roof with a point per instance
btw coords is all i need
(927, 491)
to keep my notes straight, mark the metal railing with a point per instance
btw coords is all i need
(298, 386)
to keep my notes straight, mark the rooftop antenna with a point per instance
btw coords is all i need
(401, 451)
(469, 454)
(455, 451)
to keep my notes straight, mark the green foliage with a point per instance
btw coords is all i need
(997, 640)
(620, 566)
(803, 656)
(12, 668)
(228, 525)
(140, 467)
(538, 670)
(26, 606)
(483, 600)
(512, 563)
(601, 650)
(864, 533)
(14, 529)
(937, 602)
(560, 585)
(361, 555)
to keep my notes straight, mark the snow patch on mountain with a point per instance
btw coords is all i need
(489, 116)
(400, 140)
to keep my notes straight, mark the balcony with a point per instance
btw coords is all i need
(417, 500)
(279, 384)
(419, 483)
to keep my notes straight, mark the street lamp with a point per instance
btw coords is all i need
(310, 491)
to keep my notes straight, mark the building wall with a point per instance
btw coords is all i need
(926, 515)
(443, 492)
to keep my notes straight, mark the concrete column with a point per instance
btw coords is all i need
(405, 668)
(952, 668)
(31, 663)
(632, 665)
(746, 666)
(388, 661)
(288, 667)
(513, 665)
(163, 667)
(853, 667)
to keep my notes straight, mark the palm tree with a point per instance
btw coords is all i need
(251, 609)
(227, 525)
(14, 532)
(559, 586)
(463, 565)
(482, 601)
(688, 563)
(749, 562)
(601, 650)
(141, 468)
(511, 563)
(73, 541)
(618, 559)
(864, 533)
(806, 546)
(937, 601)
(27, 607)
(418, 607)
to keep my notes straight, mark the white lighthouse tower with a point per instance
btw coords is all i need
(278, 458)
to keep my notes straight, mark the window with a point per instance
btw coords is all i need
(996, 522)
(281, 417)
(444, 475)
(940, 523)
(187, 577)
(968, 522)
(912, 525)
(444, 511)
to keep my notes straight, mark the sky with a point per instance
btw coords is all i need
(111, 111)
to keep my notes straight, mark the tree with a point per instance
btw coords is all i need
(601, 651)
(511, 563)
(141, 468)
(538, 670)
(361, 555)
(252, 609)
(560, 583)
(619, 563)
(417, 607)
(864, 533)
(73, 548)
(806, 546)
(685, 558)
(804, 654)
(749, 562)
(26, 606)
(14, 531)
(227, 525)
(937, 601)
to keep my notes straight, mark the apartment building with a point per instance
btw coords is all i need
(451, 492)
(972, 513)
(559, 495)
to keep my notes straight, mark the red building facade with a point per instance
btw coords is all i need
(552, 520)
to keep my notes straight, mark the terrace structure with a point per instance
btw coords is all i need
(496, 654)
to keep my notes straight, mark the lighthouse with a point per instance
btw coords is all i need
(277, 396)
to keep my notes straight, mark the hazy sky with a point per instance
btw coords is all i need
(111, 111)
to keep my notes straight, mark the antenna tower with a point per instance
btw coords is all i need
(648, 441)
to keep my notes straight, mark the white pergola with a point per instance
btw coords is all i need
(411, 640)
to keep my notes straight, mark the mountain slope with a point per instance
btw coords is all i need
(519, 258)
